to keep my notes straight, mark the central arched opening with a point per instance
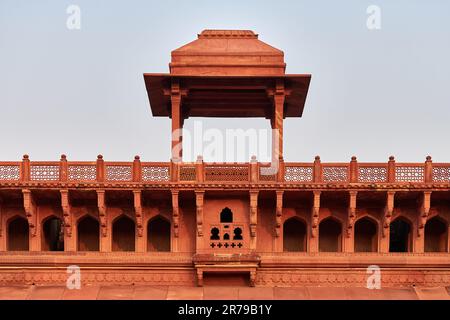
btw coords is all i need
(436, 235)
(226, 216)
(124, 234)
(158, 235)
(400, 239)
(330, 235)
(18, 235)
(366, 239)
(53, 239)
(294, 235)
(88, 234)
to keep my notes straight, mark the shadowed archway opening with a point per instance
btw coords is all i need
(226, 216)
(18, 235)
(88, 234)
(366, 239)
(158, 235)
(124, 234)
(330, 236)
(400, 239)
(294, 235)
(53, 235)
(436, 235)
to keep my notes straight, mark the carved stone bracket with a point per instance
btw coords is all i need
(388, 211)
(253, 212)
(175, 213)
(102, 212)
(199, 199)
(315, 214)
(139, 212)
(351, 213)
(30, 211)
(67, 212)
(425, 205)
(279, 213)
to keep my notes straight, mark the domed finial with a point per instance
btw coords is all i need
(391, 158)
(429, 158)
(354, 158)
(317, 158)
(26, 157)
(63, 157)
(137, 158)
(99, 157)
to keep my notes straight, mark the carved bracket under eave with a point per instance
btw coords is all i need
(139, 212)
(67, 212)
(30, 211)
(351, 212)
(102, 212)
(253, 212)
(388, 211)
(175, 213)
(199, 200)
(315, 214)
(278, 213)
(425, 205)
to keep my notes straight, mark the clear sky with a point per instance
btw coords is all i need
(374, 93)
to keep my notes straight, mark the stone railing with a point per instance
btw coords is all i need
(101, 171)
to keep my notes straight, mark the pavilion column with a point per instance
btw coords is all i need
(3, 229)
(349, 240)
(278, 239)
(314, 238)
(69, 240)
(175, 220)
(277, 123)
(105, 232)
(177, 123)
(253, 218)
(140, 240)
(31, 212)
(425, 205)
(199, 200)
(385, 228)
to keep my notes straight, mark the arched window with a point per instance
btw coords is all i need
(294, 235)
(124, 233)
(53, 235)
(237, 234)
(158, 235)
(226, 236)
(400, 236)
(366, 239)
(88, 234)
(215, 234)
(436, 237)
(330, 236)
(226, 216)
(18, 235)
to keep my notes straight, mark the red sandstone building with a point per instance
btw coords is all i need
(177, 223)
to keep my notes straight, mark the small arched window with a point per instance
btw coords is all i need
(215, 234)
(226, 216)
(237, 234)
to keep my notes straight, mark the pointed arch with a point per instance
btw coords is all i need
(88, 234)
(330, 235)
(158, 234)
(400, 235)
(18, 234)
(294, 235)
(226, 215)
(436, 235)
(52, 234)
(366, 235)
(123, 234)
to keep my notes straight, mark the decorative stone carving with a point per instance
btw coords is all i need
(102, 212)
(315, 214)
(278, 213)
(351, 212)
(425, 204)
(388, 210)
(30, 211)
(199, 199)
(175, 213)
(253, 212)
(138, 211)
(67, 212)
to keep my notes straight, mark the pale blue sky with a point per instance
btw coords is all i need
(373, 93)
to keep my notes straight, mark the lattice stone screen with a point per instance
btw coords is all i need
(82, 172)
(409, 174)
(9, 172)
(155, 173)
(44, 172)
(227, 173)
(373, 174)
(298, 174)
(118, 173)
(441, 174)
(335, 174)
(188, 173)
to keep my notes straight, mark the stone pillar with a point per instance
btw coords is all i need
(199, 201)
(424, 210)
(3, 229)
(140, 239)
(314, 238)
(385, 228)
(31, 212)
(175, 220)
(177, 122)
(349, 240)
(354, 172)
(278, 239)
(137, 169)
(253, 217)
(105, 232)
(69, 240)
(277, 122)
